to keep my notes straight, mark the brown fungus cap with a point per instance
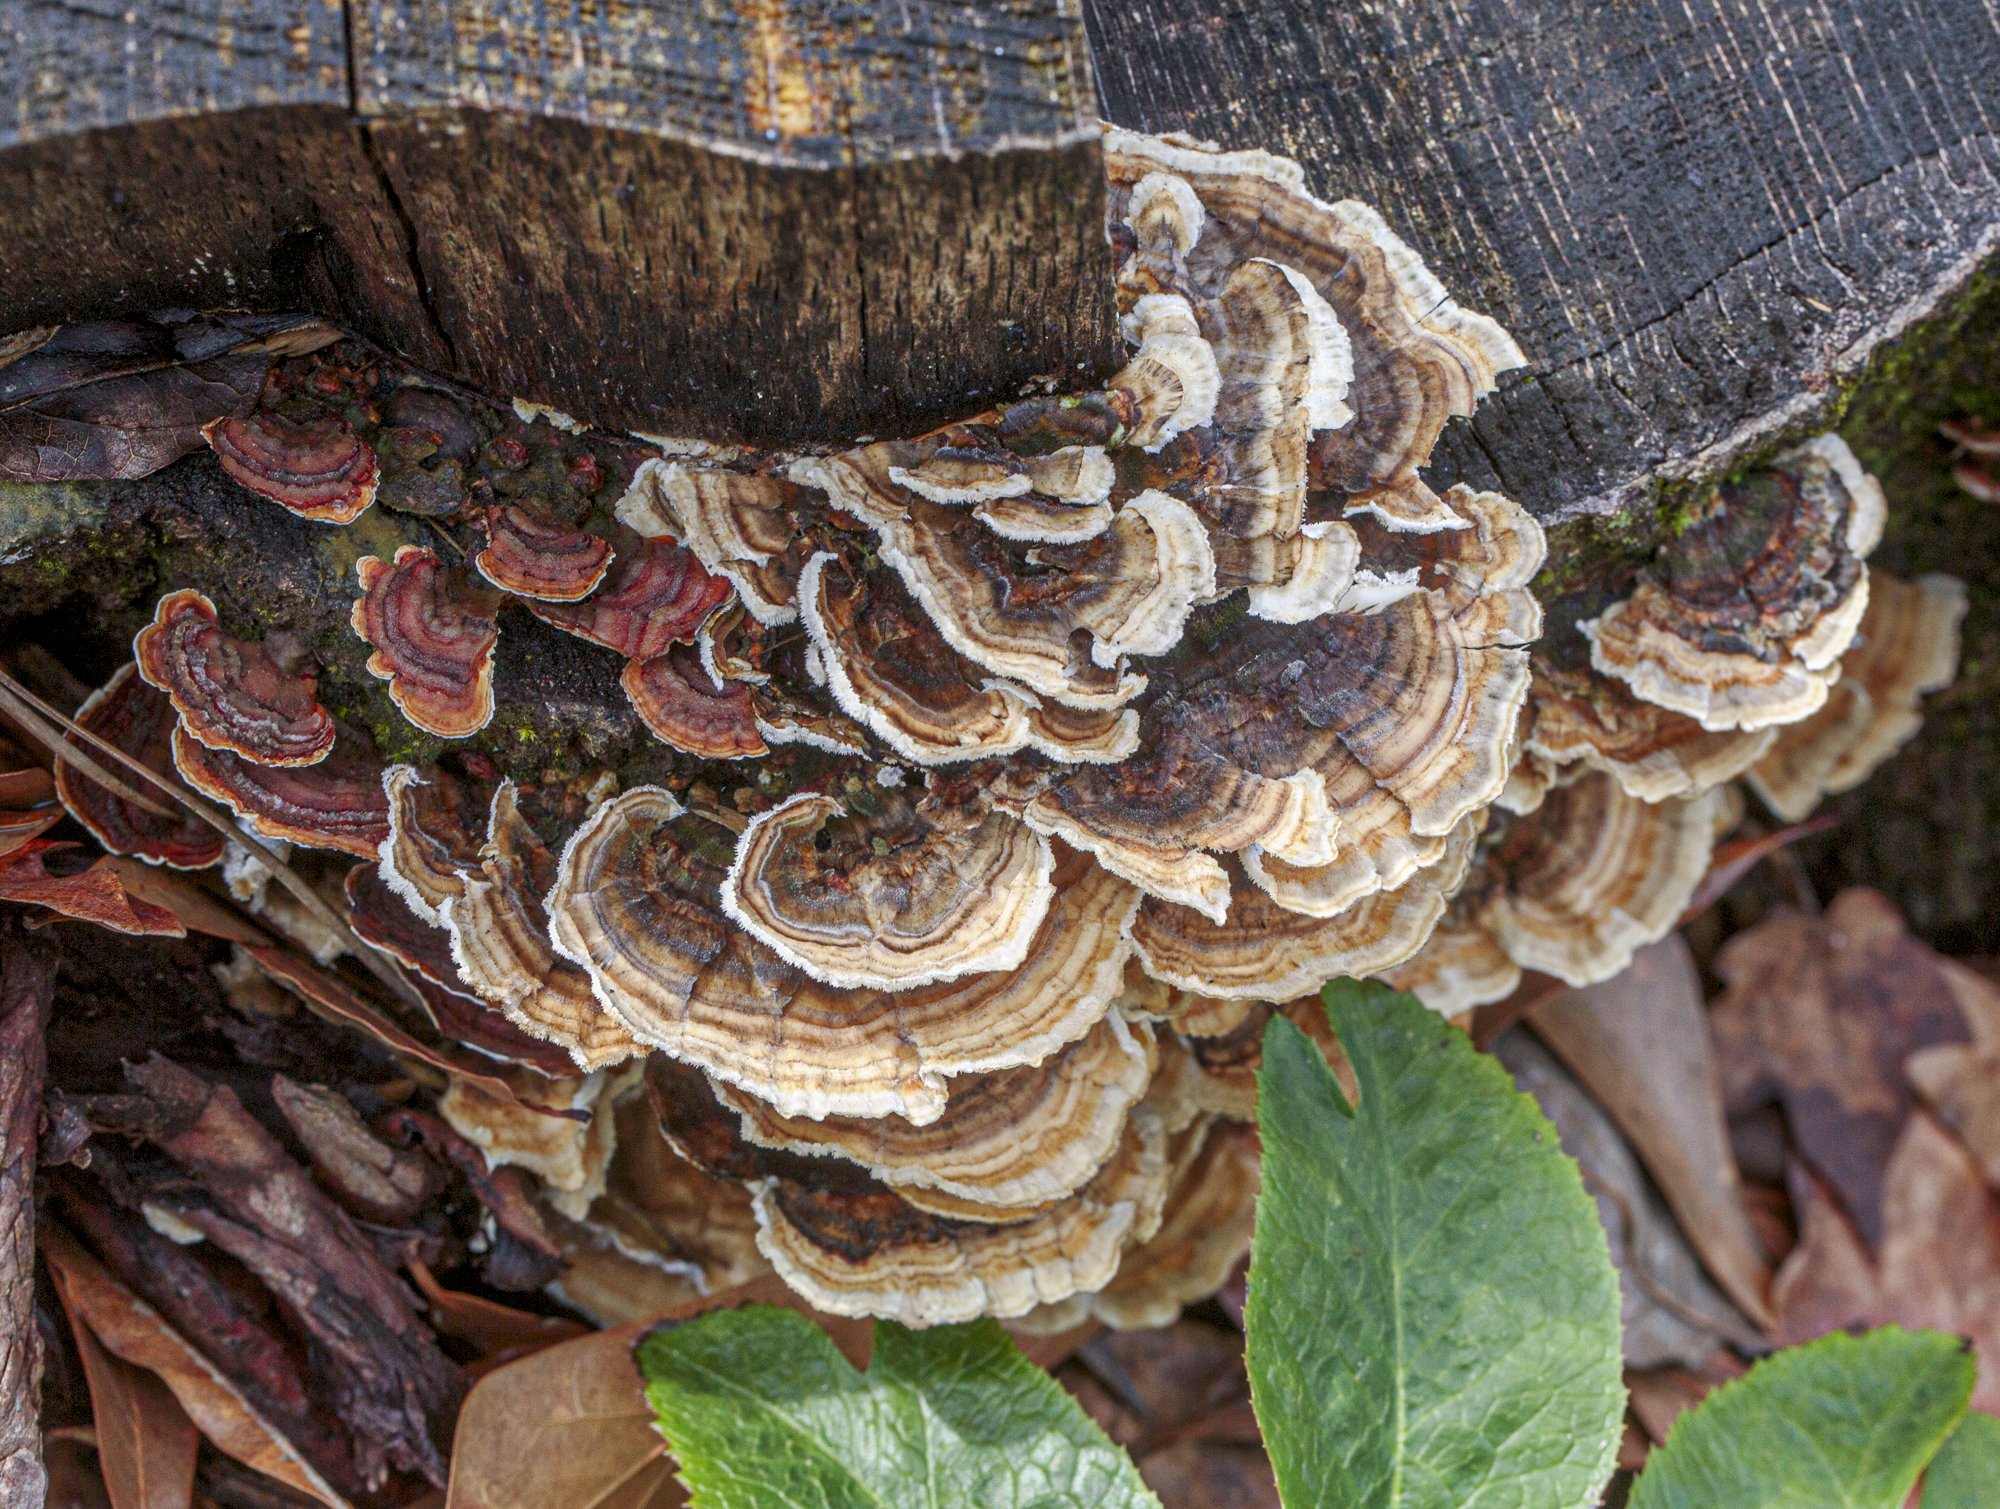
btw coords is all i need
(231, 693)
(888, 906)
(1204, 1233)
(336, 804)
(876, 1254)
(433, 638)
(1266, 952)
(532, 557)
(129, 714)
(436, 825)
(1578, 717)
(569, 1156)
(1742, 619)
(1056, 619)
(1907, 646)
(318, 468)
(655, 595)
(740, 525)
(1573, 888)
(1416, 357)
(890, 669)
(676, 697)
(1019, 1137)
(488, 900)
(637, 904)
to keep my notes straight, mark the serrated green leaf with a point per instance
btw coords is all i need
(1965, 1474)
(1845, 1422)
(1433, 1314)
(761, 1411)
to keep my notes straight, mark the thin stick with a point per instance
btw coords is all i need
(235, 833)
(62, 749)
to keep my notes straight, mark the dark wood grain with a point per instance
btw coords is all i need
(751, 219)
(1698, 218)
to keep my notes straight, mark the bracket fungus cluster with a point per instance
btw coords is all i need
(985, 791)
(1757, 645)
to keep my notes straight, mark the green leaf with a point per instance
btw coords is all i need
(1433, 1314)
(1845, 1422)
(1963, 1473)
(761, 1410)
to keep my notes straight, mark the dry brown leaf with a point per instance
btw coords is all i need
(18, 828)
(1660, 1396)
(31, 786)
(570, 1425)
(94, 895)
(74, 1479)
(198, 910)
(1639, 1044)
(130, 1329)
(1671, 1313)
(487, 1325)
(1939, 1264)
(1819, 1015)
(146, 1444)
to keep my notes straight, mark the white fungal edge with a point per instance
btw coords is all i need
(1005, 954)
(1330, 367)
(1323, 571)
(1181, 550)
(1010, 486)
(651, 507)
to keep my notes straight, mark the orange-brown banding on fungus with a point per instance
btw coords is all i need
(959, 464)
(488, 900)
(130, 715)
(1057, 619)
(1019, 1137)
(318, 468)
(230, 693)
(860, 904)
(889, 668)
(569, 1156)
(1907, 646)
(435, 830)
(336, 804)
(1575, 717)
(876, 1254)
(743, 526)
(676, 697)
(533, 557)
(1459, 967)
(655, 595)
(1741, 620)
(1592, 874)
(1080, 476)
(1416, 357)
(637, 904)
(1266, 952)
(433, 638)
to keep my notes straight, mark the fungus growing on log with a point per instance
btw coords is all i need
(1741, 620)
(531, 557)
(655, 595)
(130, 715)
(995, 766)
(230, 693)
(318, 467)
(872, 907)
(335, 804)
(1907, 646)
(1571, 889)
(1017, 1138)
(676, 697)
(433, 638)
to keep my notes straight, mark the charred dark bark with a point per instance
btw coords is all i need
(27, 984)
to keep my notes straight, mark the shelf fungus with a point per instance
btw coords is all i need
(1907, 646)
(487, 896)
(637, 903)
(433, 636)
(319, 468)
(130, 715)
(231, 694)
(532, 557)
(981, 787)
(335, 804)
(1741, 620)
(1571, 888)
